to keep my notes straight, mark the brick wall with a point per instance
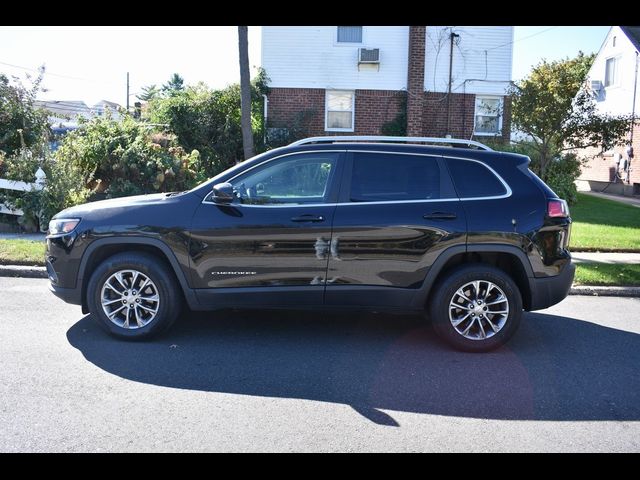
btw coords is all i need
(286, 103)
(602, 167)
(376, 107)
(415, 81)
(506, 119)
(435, 114)
(373, 109)
(462, 116)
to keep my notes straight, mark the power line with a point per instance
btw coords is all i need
(59, 74)
(523, 38)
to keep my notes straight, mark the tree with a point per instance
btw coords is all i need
(245, 92)
(22, 123)
(149, 93)
(553, 108)
(174, 85)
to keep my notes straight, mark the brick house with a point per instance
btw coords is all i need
(332, 80)
(613, 80)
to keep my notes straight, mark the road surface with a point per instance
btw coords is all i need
(291, 381)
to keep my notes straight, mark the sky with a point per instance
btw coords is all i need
(532, 44)
(90, 63)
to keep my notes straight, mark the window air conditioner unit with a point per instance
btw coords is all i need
(596, 85)
(369, 55)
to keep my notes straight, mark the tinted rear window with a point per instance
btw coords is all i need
(473, 179)
(388, 177)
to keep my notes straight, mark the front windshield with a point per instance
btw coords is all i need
(213, 180)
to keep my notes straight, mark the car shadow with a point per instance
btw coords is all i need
(555, 368)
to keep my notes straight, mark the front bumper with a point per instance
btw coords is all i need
(548, 291)
(69, 295)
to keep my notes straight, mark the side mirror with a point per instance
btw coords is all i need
(223, 193)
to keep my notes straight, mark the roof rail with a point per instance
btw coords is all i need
(378, 139)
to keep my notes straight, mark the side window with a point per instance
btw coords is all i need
(389, 177)
(339, 114)
(473, 179)
(611, 72)
(294, 179)
(488, 116)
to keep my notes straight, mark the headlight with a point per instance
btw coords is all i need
(62, 225)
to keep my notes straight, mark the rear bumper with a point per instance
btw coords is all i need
(69, 295)
(551, 290)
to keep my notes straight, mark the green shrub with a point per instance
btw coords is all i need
(561, 177)
(64, 187)
(22, 124)
(105, 158)
(125, 157)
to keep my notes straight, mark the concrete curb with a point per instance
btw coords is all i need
(41, 272)
(598, 291)
(23, 271)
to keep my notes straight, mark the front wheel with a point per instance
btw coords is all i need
(476, 308)
(134, 295)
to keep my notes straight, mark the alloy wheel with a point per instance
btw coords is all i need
(130, 299)
(478, 310)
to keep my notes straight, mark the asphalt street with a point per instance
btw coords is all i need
(295, 381)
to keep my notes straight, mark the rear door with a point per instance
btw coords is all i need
(397, 212)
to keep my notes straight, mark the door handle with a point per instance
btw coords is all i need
(308, 218)
(440, 216)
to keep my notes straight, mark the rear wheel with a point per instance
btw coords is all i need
(134, 295)
(476, 308)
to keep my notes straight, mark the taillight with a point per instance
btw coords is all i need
(557, 208)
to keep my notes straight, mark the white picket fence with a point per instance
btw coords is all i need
(41, 179)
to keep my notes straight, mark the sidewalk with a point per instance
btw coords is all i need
(635, 201)
(596, 257)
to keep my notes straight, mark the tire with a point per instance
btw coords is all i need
(497, 328)
(161, 294)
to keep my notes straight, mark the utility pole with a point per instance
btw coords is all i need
(127, 92)
(452, 37)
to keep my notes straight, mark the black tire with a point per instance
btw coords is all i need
(444, 292)
(170, 304)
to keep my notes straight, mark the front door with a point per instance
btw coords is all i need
(397, 213)
(274, 238)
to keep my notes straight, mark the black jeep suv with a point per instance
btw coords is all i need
(469, 235)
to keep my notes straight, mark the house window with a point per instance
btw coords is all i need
(488, 116)
(614, 42)
(611, 72)
(339, 113)
(349, 34)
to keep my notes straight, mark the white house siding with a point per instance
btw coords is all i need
(311, 57)
(481, 55)
(614, 100)
(618, 99)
